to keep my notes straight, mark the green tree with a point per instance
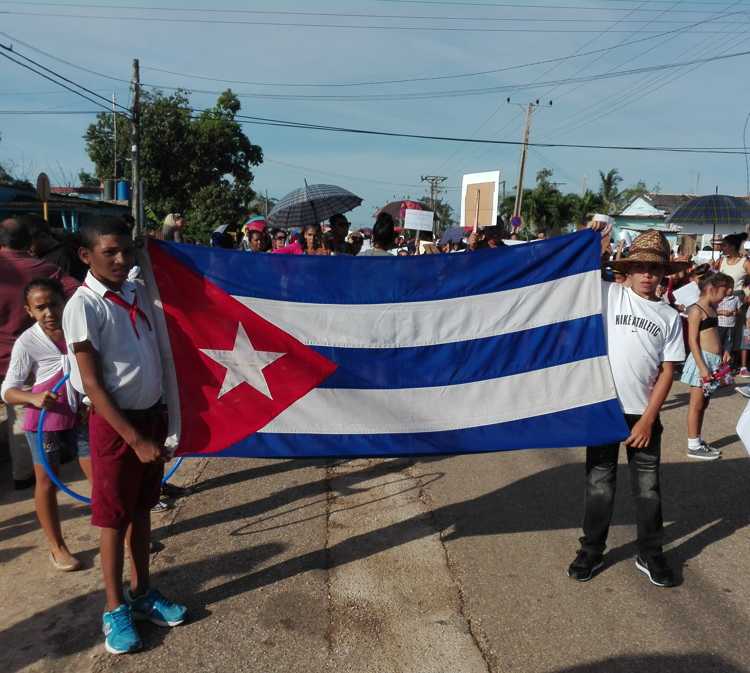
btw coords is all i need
(444, 215)
(85, 179)
(197, 164)
(609, 190)
(580, 208)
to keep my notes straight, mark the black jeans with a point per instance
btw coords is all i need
(601, 482)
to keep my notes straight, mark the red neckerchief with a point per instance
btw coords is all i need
(133, 309)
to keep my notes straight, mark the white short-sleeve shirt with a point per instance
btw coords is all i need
(131, 365)
(35, 359)
(730, 303)
(641, 334)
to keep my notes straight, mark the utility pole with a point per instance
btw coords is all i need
(522, 168)
(135, 126)
(530, 107)
(435, 182)
(114, 149)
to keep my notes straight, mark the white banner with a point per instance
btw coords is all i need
(420, 220)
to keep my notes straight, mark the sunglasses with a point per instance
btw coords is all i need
(281, 238)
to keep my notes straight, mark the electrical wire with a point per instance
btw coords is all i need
(314, 171)
(58, 75)
(639, 88)
(287, 24)
(453, 3)
(560, 59)
(493, 71)
(395, 134)
(49, 112)
(553, 67)
(457, 93)
(349, 15)
(636, 86)
(41, 74)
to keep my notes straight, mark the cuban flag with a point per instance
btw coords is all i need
(306, 356)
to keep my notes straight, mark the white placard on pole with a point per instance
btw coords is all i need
(419, 220)
(479, 194)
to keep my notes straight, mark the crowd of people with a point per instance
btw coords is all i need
(70, 307)
(335, 237)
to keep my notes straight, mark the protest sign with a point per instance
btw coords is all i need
(479, 199)
(418, 220)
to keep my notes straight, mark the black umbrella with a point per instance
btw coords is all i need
(713, 210)
(312, 204)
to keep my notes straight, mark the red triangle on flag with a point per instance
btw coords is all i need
(235, 370)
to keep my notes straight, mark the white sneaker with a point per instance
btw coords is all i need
(704, 452)
(744, 391)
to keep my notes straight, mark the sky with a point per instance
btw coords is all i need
(350, 42)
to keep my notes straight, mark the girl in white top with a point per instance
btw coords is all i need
(39, 354)
(732, 262)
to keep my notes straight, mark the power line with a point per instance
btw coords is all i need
(623, 98)
(230, 10)
(288, 24)
(493, 71)
(577, 52)
(360, 15)
(478, 91)
(395, 134)
(55, 74)
(24, 113)
(453, 3)
(348, 176)
(560, 59)
(265, 121)
(635, 86)
(41, 74)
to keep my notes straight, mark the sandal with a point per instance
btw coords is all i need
(66, 567)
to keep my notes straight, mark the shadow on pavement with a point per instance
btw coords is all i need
(258, 472)
(25, 523)
(73, 626)
(658, 663)
(695, 495)
(281, 498)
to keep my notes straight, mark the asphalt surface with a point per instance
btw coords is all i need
(454, 565)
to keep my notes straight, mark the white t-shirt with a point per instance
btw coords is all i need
(641, 334)
(374, 252)
(35, 354)
(131, 365)
(730, 303)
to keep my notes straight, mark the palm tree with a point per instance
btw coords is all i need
(608, 190)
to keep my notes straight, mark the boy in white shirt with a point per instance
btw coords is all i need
(108, 325)
(727, 312)
(644, 340)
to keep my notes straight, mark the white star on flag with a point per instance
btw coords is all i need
(243, 364)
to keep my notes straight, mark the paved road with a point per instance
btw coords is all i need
(446, 566)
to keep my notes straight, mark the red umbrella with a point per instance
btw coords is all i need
(397, 209)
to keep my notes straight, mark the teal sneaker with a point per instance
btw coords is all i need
(157, 609)
(120, 636)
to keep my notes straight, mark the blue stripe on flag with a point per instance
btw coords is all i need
(377, 280)
(466, 361)
(591, 425)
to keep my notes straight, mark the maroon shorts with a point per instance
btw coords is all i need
(122, 483)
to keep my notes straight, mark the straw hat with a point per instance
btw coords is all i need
(650, 247)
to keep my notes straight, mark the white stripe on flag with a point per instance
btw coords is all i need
(426, 323)
(466, 405)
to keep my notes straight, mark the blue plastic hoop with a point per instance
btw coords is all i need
(48, 468)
